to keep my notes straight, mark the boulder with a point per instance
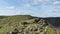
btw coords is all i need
(24, 23)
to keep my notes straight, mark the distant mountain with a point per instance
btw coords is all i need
(54, 21)
(1, 17)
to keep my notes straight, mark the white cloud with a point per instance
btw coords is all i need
(41, 1)
(57, 10)
(8, 10)
(27, 5)
(22, 13)
(56, 2)
(11, 7)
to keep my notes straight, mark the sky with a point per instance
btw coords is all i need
(40, 8)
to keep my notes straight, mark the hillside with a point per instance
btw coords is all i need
(6, 24)
(53, 21)
(34, 25)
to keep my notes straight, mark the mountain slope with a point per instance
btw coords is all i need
(35, 25)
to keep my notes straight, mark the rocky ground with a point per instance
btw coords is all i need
(37, 27)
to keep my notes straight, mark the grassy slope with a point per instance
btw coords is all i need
(14, 21)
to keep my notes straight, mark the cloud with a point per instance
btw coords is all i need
(56, 2)
(57, 10)
(11, 7)
(27, 5)
(22, 13)
(40, 1)
(8, 10)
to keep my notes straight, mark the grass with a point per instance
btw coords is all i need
(15, 21)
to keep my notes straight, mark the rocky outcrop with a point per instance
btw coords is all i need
(35, 28)
(39, 26)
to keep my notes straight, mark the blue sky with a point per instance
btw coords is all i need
(40, 8)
